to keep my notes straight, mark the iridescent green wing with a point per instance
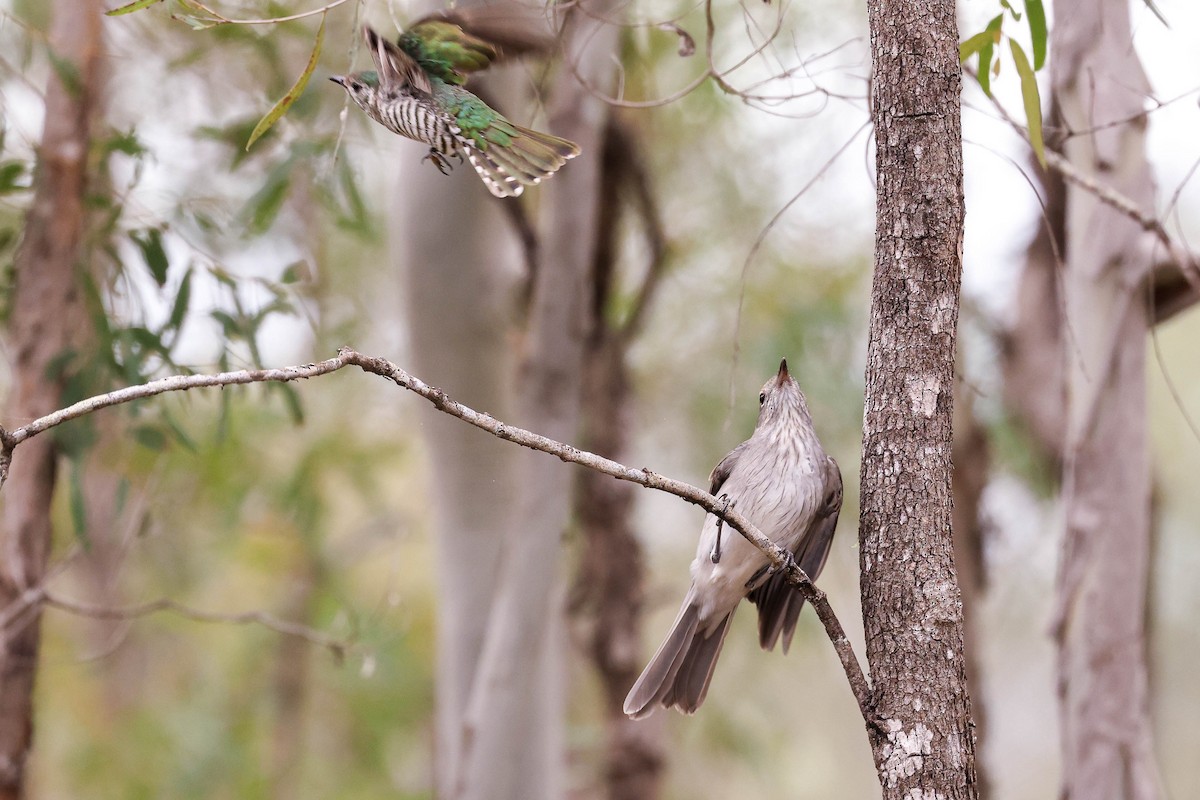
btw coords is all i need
(443, 49)
(453, 44)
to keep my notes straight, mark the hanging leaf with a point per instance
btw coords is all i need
(150, 437)
(151, 244)
(182, 299)
(286, 101)
(986, 52)
(78, 505)
(1037, 31)
(1033, 101)
(975, 44)
(129, 8)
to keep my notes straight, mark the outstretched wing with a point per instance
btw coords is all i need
(453, 44)
(395, 67)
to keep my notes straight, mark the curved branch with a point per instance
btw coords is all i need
(651, 480)
(442, 402)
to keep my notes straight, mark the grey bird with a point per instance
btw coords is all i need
(782, 481)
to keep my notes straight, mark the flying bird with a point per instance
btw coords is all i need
(782, 481)
(416, 90)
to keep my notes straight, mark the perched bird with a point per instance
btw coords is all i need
(783, 482)
(416, 90)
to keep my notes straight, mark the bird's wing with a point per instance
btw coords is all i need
(778, 602)
(724, 467)
(453, 44)
(395, 67)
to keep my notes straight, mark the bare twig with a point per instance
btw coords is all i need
(346, 356)
(337, 647)
(1184, 260)
(219, 19)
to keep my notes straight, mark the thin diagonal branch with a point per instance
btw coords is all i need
(346, 356)
(778, 557)
(1179, 257)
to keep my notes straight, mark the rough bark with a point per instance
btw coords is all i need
(515, 719)
(1100, 622)
(47, 320)
(912, 608)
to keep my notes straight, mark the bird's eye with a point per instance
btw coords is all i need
(762, 398)
(356, 86)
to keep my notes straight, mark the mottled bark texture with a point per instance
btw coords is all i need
(509, 751)
(47, 320)
(1100, 620)
(912, 608)
(606, 598)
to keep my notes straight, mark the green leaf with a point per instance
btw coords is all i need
(1033, 101)
(129, 8)
(151, 244)
(230, 327)
(150, 437)
(986, 53)
(1037, 31)
(262, 208)
(182, 299)
(285, 102)
(11, 173)
(78, 506)
(180, 434)
(976, 43)
(1016, 14)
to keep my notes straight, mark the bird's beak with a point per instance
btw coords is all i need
(783, 376)
(340, 80)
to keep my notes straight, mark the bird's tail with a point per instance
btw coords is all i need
(525, 159)
(680, 671)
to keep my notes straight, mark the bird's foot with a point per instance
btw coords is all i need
(726, 504)
(440, 161)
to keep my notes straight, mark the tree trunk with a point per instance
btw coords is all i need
(912, 608)
(1032, 353)
(606, 598)
(459, 284)
(48, 319)
(515, 720)
(1100, 620)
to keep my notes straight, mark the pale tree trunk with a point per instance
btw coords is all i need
(1100, 620)
(1031, 354)
(48, 319)
(459, 267)
(912, 607)
(514, 739)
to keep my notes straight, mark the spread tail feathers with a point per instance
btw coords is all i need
(680, 671)
(525, 161)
